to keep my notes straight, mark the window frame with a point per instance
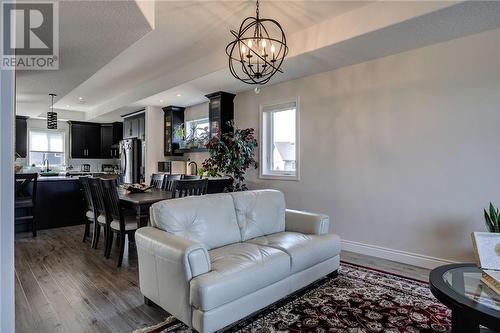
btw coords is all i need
(46, 131)
(265, 139)
(197, 122)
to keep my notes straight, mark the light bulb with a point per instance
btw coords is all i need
(263, 43)
(243, 49)
(250, 43)
(272, 48)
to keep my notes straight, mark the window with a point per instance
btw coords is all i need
(199, 127)
(46, 145)
(280, 149)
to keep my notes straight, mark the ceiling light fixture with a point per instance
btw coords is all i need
(161, 101)
(179, 95)
(80, 98)
(258, 50)
(51, 115)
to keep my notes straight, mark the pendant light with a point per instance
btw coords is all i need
(51, 115)
(258, 50)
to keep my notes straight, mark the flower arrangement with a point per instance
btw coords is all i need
(231, 154)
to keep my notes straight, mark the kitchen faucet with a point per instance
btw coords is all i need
(46, 163)
(195, 167)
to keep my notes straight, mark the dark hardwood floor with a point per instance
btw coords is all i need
(62, 285)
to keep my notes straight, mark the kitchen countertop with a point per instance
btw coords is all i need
(55, 178)
(71, 177)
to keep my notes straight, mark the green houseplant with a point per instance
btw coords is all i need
(492, 218)
(231, 154)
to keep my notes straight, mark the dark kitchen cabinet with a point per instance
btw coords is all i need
(111, 134)
(21, 136)
(173, 116)
(134, 126)
(85, 139)
(220, 112)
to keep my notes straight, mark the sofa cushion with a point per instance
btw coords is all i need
(237, 270)
(260, 212)
(208, 219)
(304, 250)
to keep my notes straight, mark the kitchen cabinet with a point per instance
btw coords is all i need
(111, 134)
(220, 112)
(134, 126)
(21, 136)
(85, 139)
(173, 116)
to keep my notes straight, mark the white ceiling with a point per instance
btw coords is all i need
(184, 54)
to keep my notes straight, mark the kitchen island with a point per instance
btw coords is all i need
(59, 203)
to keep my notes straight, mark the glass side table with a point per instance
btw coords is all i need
(459, 287)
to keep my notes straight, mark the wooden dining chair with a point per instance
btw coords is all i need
(90, 214)
(186, 187)
(157, 180)
(98, 205)
(25, 198)
(219, 185)
(190, 177)
(117, 222)
(168, 184)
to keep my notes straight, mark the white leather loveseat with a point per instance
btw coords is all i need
(212, 260)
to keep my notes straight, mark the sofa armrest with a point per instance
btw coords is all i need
(167, 263)
(306, 223)
(193, 256)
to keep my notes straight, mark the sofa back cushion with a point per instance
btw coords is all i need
(208, 219)
(259, 212)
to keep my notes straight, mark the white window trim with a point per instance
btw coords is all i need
(263, 148)
(38, 129)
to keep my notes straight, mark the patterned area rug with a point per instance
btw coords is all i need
(359, 300)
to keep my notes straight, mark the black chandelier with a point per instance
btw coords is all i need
(258, 50)
(51, 115)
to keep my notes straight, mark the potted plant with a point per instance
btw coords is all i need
(492, 218)
(231, 154)
(180, 132)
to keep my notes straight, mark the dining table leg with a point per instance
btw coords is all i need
(142, 215)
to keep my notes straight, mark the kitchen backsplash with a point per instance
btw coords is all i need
(95, 164)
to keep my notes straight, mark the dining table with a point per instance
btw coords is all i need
(142, 201)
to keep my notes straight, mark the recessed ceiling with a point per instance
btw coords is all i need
(91, 33)
(184, 54)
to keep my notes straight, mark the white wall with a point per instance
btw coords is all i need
(402, 152)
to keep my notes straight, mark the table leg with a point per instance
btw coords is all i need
(460, 323)
(142, 215)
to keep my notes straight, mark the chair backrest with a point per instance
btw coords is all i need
(87, 193)
(157, 180)
(168, 184)
(219, 185)
(26, 186)
(97, 194)
(112, 201)
(190, 177)
(185, 187)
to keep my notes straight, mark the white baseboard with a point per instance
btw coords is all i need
(409, 258)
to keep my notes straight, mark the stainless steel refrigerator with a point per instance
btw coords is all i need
(131, 160)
